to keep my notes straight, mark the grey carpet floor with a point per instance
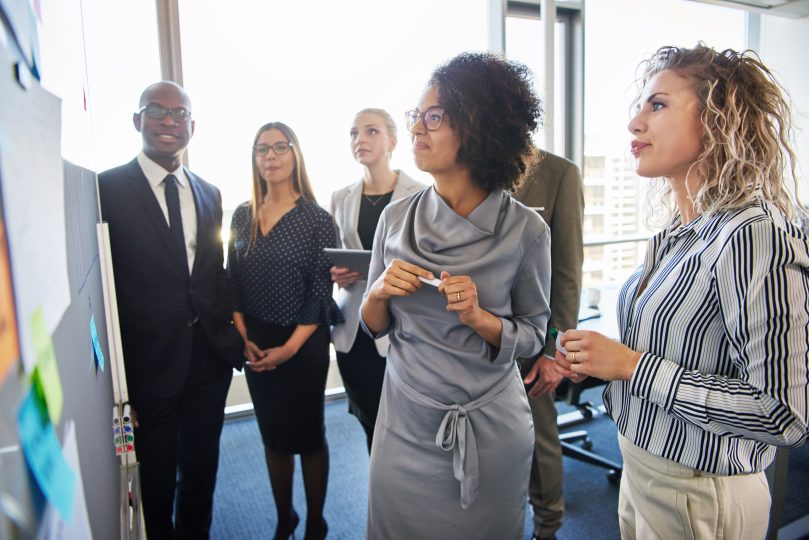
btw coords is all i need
(244, 507)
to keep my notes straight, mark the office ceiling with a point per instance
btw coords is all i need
(784, 8)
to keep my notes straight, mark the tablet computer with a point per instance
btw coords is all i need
(356, 260)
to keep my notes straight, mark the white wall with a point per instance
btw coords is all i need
(783, 48)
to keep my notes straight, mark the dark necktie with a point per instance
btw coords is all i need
(175, 217)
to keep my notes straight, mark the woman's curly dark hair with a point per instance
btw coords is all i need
(494, 110)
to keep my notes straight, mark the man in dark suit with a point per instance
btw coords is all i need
(174, 309)
(555, 186)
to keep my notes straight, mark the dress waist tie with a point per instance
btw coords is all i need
(455, 432)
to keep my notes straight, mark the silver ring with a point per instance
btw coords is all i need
(572, 357)
(458, 296)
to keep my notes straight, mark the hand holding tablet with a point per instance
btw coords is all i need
(356, 260)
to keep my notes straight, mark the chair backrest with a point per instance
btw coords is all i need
(570, 392)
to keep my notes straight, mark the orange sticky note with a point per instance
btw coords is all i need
(9, 340)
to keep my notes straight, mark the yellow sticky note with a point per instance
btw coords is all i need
(46, 373)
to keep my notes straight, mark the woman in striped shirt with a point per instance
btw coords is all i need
(710, 374)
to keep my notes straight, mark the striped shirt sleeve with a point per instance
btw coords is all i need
(761, 280)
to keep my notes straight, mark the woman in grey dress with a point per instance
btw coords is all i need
(459, 280)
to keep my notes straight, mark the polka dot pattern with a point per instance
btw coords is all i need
(285, 278)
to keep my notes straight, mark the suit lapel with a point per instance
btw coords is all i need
(404, 187)
(353, 200)
(352, 215)
(204, 214)
(147, 199)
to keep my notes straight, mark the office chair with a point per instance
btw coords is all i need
(570, 393)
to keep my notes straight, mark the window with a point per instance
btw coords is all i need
(594, 195)
(524, 43)
(313, 68)
(101, 73)
(618, 35)
(525, 39)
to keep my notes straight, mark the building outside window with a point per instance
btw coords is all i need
(618, 35)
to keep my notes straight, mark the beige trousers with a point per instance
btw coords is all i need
(661, 499)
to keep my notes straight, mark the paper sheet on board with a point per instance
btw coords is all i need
(31, 172)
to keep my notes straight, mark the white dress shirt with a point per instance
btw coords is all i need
(156, 176)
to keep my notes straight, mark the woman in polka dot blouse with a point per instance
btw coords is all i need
(283, 308)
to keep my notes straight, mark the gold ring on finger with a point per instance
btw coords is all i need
(572, 357)
(458, 296)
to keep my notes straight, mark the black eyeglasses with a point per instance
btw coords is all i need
(158, 112)
(278, 148)
(432, 117)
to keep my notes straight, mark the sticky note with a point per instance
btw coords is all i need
(9, 341)
(46, 372)
(44, 455)
(99, 354)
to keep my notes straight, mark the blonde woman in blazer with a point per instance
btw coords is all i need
(356, 210)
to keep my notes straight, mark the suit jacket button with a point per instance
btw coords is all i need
(189, 323)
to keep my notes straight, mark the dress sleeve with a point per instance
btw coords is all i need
(762, 284)
(524, 332)
(319, 307)
(235, 240)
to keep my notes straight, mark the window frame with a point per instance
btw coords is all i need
(571, 16)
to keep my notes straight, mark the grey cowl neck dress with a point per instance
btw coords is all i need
(453, 441)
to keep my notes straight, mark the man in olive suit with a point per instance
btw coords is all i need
(554, 186)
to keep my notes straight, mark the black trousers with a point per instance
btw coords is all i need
(177, 445)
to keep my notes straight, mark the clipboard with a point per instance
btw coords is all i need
(356, 260)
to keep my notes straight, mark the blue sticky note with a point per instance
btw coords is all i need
(44, 454)
(96, 344)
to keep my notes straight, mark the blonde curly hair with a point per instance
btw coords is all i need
(746, 147)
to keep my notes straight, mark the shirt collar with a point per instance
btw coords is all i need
(155, 173)
(703, 225)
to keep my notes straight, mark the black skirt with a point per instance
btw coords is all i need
(362, 371)
(288, 400)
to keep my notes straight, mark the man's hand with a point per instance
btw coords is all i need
(544, 377)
